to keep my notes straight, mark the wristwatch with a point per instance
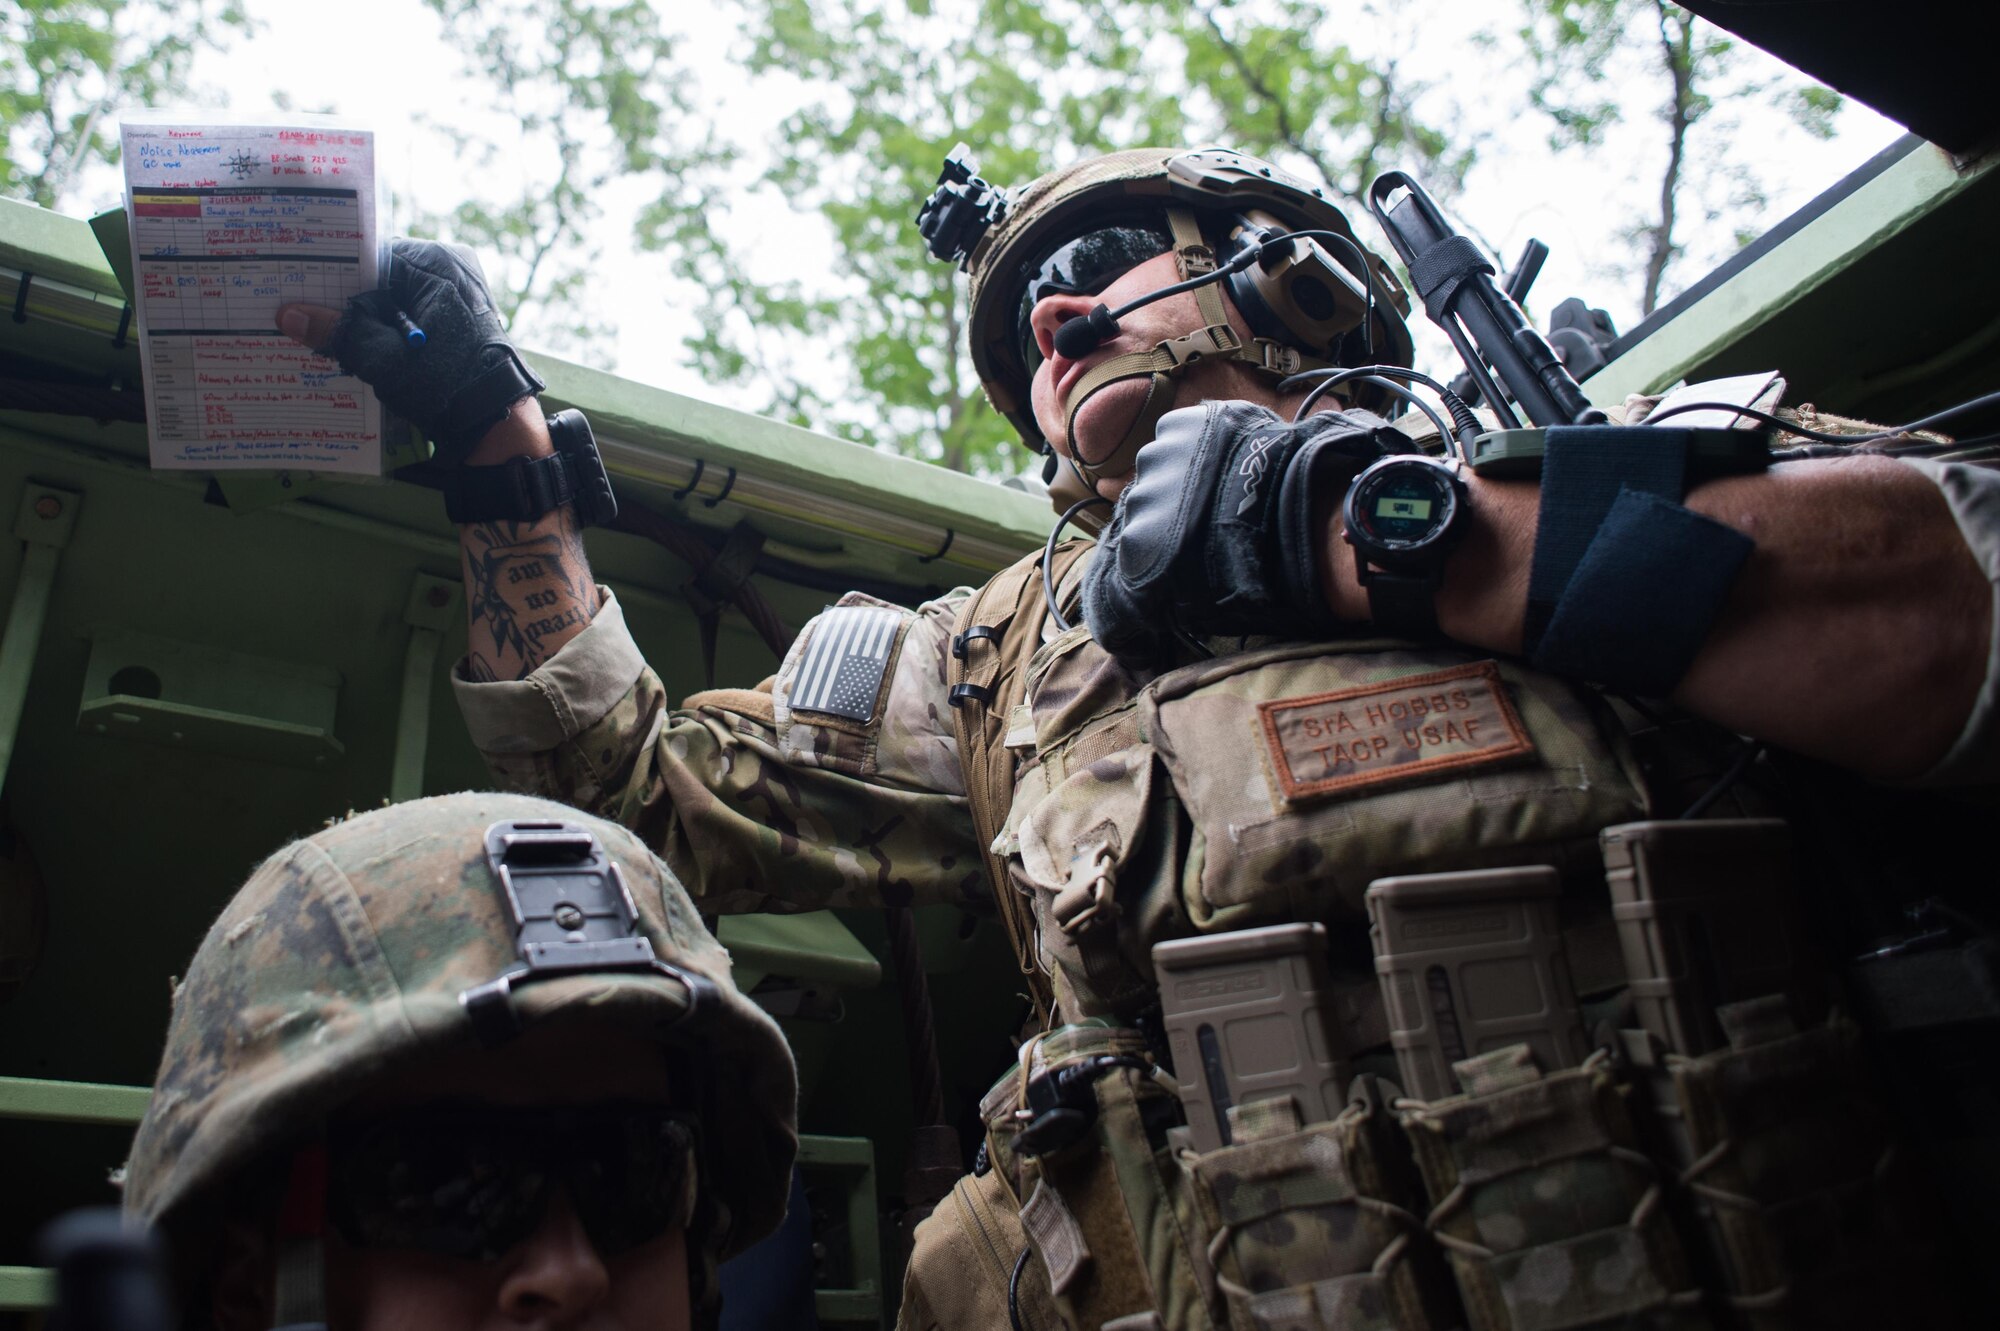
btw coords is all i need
(1402, 516)
(523, 489)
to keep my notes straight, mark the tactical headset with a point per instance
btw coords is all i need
(1309, 294)
(1299, 302)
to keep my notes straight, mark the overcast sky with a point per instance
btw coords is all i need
(382, 60)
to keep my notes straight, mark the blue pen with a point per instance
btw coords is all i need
(412, 334)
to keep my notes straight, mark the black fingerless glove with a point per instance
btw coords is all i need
(1215, 534)
(459, 381)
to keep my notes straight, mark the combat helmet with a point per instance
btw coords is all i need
(388, 939)
(1323, 303)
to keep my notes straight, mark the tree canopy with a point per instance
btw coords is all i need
(1581, 53)
(69, 67)
(590, 115)
(1028, 86)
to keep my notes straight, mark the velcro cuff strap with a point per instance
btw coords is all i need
(1439, 270)
(1644, 596)
(1299, 536)
(483, 402)
(1583, 470)
(517, 491)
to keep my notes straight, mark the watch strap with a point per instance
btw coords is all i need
(1403, 603)
(523, 489)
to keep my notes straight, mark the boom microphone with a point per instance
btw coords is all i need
(1080, 336)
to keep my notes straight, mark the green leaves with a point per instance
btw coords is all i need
(596, 90)
(1811, 108)
(68, 68)
(1030, 85)
(1589, 57)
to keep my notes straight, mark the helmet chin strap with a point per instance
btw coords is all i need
(1170, 359)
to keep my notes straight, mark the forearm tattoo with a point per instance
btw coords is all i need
(528, 590)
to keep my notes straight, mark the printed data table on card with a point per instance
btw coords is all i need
(229, 222)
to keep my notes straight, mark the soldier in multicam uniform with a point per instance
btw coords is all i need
(358, 1122)
(984, 748)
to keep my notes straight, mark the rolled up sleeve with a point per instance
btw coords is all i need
(570, 692)
(1972, 490)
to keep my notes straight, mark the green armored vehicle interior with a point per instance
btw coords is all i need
(193, 672)
(203, 671)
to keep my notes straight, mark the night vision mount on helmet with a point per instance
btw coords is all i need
(1310, 302)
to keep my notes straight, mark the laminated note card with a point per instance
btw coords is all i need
(230, 221)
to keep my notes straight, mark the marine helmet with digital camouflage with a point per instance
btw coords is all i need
(461, 1057)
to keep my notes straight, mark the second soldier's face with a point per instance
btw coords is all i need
(554, 1280)
(1108, 414)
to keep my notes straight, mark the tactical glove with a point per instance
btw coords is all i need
(458, 381)
(1215, 535)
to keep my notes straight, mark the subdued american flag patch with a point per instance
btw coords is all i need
(841, 671)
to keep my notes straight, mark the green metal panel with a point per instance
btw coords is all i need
(26, 1288)
(53, 246)
(852, 1161)
(1901, 270)
(812, 946)
(72, 1101)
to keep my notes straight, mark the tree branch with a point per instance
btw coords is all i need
(1677, 51)
(1288, 133)
(555, 236)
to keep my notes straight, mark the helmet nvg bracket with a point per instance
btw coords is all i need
(571, 912)
(960, 210)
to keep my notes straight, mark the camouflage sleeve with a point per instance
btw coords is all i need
(1971, 486)
(835, 783)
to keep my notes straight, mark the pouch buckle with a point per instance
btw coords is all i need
(1062, 1104)
(1087, 900)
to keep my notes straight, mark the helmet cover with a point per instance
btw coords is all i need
(341, 961)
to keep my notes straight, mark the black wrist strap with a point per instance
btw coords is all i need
(1644, 596)
(517, 491)
(1583, 469)
(524, 489)
(1403, 603)
(1626, 582)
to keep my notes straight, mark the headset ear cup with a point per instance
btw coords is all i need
(1246, 289)
(1305, 299)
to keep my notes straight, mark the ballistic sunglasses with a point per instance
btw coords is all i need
(472, 1181)
(1084, 267)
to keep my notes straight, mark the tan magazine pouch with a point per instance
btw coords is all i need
(1315, 1228)
(1792, 1178)
(1551, 1214)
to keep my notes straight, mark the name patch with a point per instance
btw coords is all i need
(1394, 731)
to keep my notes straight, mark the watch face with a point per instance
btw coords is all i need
(1401, 505)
